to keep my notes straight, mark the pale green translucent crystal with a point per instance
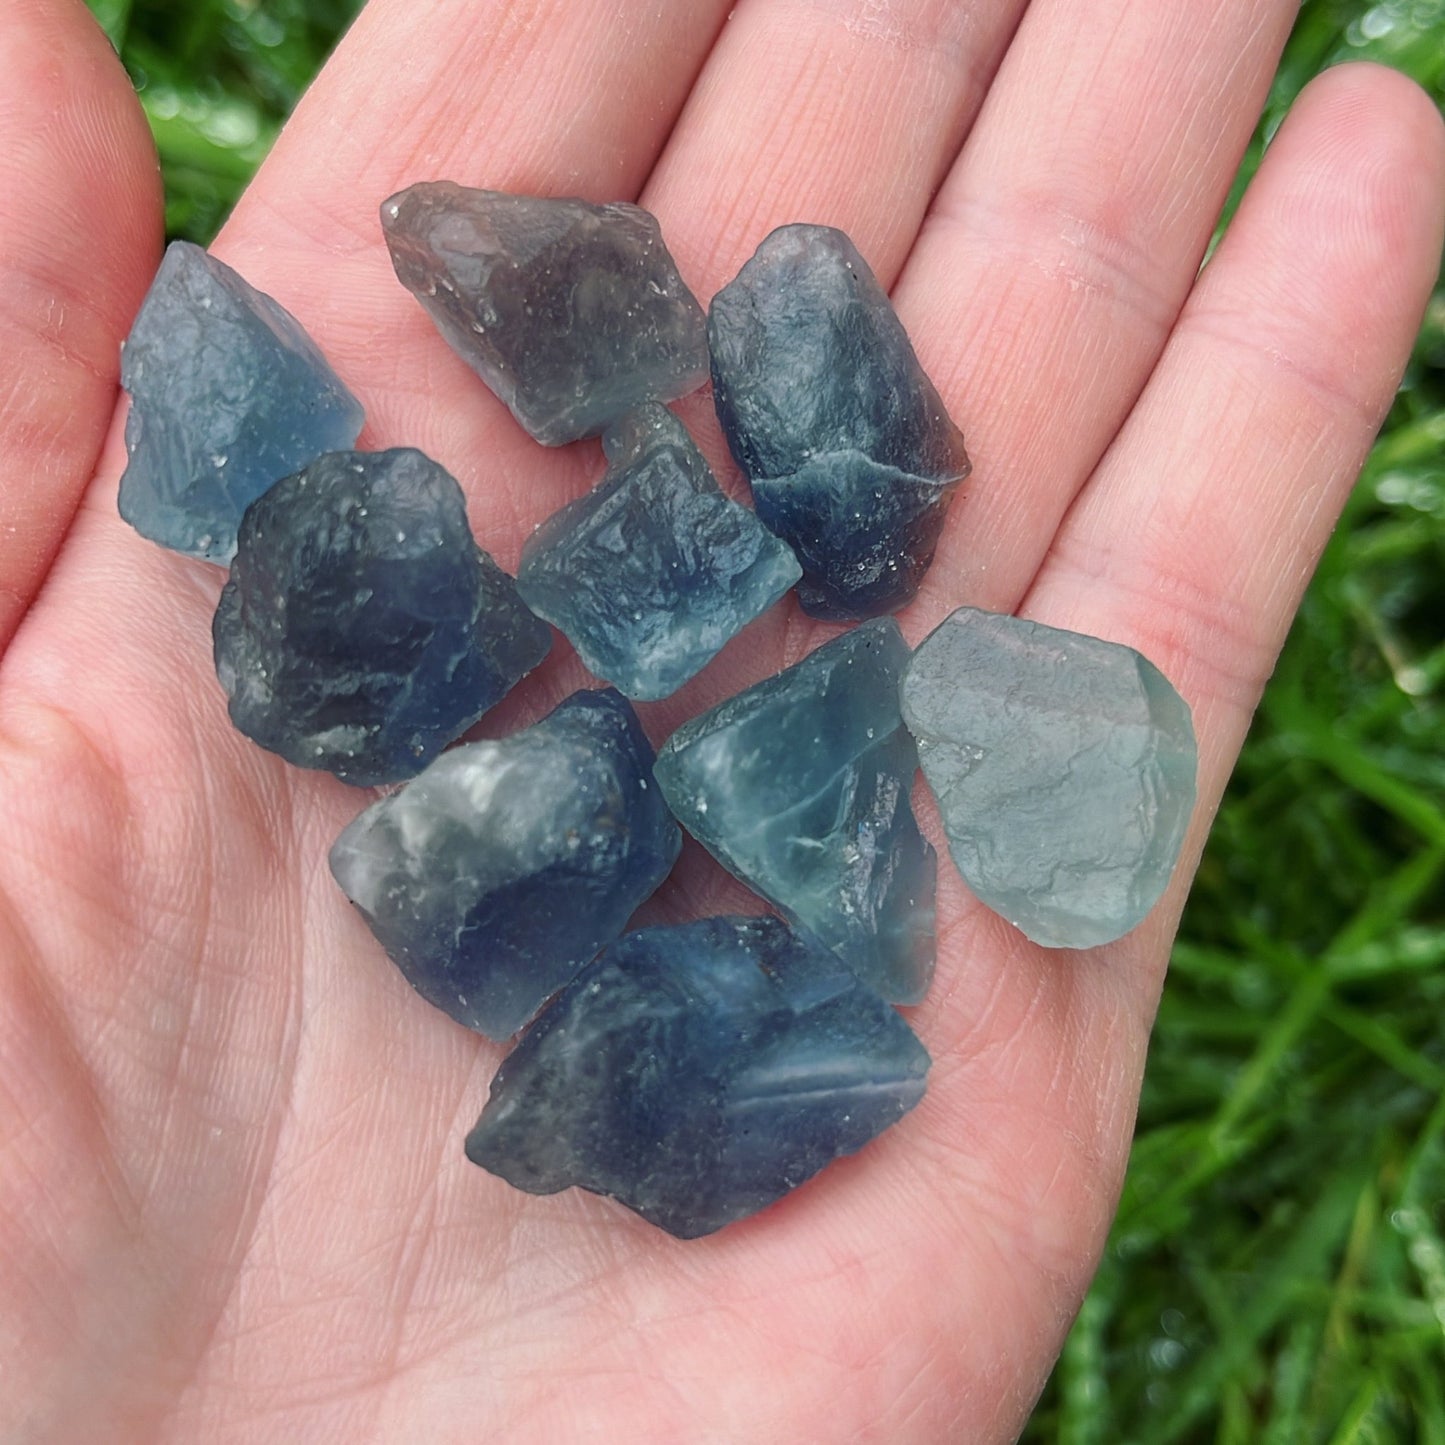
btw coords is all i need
(1064, 767)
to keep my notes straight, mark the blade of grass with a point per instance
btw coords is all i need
(1320, 1236)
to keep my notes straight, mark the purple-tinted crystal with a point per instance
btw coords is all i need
(697, 1074)
(572, 313)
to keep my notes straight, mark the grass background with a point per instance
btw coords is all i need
(1277, 1271)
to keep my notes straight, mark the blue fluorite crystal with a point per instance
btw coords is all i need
(493, 877)
(800, 786)
(1064, 769)
(228, 394)
(652, 571)
(572, 313)
(851, 456)
(361, 629)
(697, 1074)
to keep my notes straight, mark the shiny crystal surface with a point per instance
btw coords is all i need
(572, 313)
(654, 570)
(362, 629)
(800, 786)
(1064, 767)
(495, 876)
(850, 453)
(696, 1074)
(228, 395)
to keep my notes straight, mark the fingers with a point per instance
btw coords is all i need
(570, 96)
(1061, 247)
(550, 96)
(1192, 542)
(865, 107)
(554, 97)
(841, 112)
(79, 235)
(1196, 537)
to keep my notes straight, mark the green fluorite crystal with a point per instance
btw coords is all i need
(1064, 769)
(800, 786)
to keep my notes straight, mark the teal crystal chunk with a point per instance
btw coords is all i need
(800, 786)
(654, 570)
(228, 395)
(497, 874)
(572, 313)
(362, 629)
(697, 1074)
(1064, 768)
(851, 456)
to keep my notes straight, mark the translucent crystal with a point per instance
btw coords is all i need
(1064, 768)
(228, 394)
(654, 570)
(851, 456)
(697, 1074)
(800, 786)
(494, 876)
(362, 629)
(572, 313)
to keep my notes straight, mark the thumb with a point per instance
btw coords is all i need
(80, 231)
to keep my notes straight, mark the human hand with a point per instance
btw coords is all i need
(233, 1203)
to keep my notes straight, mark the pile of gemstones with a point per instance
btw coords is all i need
(694, 1073)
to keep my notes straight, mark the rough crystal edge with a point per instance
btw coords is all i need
(883, 669)
(289, 333)
(626, 444)
(822, 592)
(1153, 680)
(348, 861)
(549, 432)
(835, 980)
(946, 437)
(495, 588)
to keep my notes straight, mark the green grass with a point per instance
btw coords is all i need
(1277, 1272)
(217, 79)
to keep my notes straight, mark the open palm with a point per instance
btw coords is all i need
(233, 1202)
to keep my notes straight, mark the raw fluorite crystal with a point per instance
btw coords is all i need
(697, 1074)
(800, 786)
(1063, 766)
(851, 456)
(228, 394)
(652, 571)
(496, 875)
(361, 629)
(572, 313)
